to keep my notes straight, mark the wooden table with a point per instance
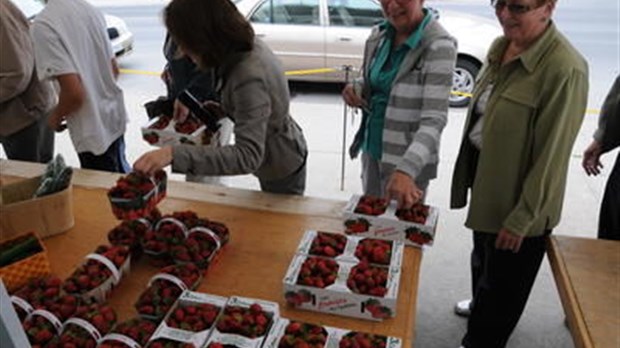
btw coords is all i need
(587, 274)
(265, 231)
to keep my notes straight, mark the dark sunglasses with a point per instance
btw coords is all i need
(515, 9)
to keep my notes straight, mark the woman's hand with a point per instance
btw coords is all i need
(351, 98)
(507, 240)
(403, 189)
(152, 161)
(591, 162)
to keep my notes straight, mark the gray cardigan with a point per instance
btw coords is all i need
(268, 142)
(417, 108)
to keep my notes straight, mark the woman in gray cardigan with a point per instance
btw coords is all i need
(408, 64)
(254, 94)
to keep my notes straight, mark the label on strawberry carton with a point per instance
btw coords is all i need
(361, 339)
(352, 249)
(88, 327)
(21, 303)
(49, 316)
(127, 341)
(335, 296)
(190, 298)
(167, 135)
(271, 308)
(288, 333)
(385, 224)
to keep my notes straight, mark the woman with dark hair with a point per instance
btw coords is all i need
(253, 92)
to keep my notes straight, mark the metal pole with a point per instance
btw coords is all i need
(347, 69)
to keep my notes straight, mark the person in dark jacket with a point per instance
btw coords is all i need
(607, 138)
(181, 74)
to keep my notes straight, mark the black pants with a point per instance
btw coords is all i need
(112, 160)
(502, 281)
(609, 218)
(35, 143)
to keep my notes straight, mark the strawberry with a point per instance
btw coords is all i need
(317, 272)
(418, 213)
(139, 330)
(368, 280)
(39, 293)
(369, 205)
(374, 251)
(360, 225)
(299, 334)
(250, 322)
(193, 318)
(362, 340)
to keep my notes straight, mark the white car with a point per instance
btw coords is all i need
(321, 34)
(120, 36)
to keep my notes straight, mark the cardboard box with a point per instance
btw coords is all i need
(351, 244)
(279, 331)
(389, 226)
(169, 136)
(17, 274)
(198, 339)
(336, 297)
(21, 213)
(338, 335)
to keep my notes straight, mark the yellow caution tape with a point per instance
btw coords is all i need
(139, 72)
(310, 72)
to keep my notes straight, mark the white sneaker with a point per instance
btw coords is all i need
(463, 308)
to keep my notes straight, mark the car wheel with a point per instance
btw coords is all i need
(463, 82)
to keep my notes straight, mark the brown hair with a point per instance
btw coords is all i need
(213, 30)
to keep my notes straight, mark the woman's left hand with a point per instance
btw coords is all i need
(507, 240)
(152, 161)
(403, 189)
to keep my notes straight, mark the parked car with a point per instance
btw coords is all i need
(319, 34)
(120, 36)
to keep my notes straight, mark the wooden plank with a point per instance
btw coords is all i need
(265, 231)
(587, 274)
(194, 191)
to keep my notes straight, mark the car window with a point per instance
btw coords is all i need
(354, 13)
(301, 12)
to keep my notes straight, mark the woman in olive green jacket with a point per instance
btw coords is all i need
(527, 109)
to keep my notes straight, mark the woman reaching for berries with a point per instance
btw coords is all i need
(254, 94)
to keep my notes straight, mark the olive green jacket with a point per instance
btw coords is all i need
(532, 118)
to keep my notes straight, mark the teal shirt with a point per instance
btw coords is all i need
(383, 70)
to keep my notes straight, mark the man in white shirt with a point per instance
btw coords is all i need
(73, 49)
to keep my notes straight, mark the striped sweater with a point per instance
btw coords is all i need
(417, 108)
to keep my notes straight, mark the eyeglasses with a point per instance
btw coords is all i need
(515, 9)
